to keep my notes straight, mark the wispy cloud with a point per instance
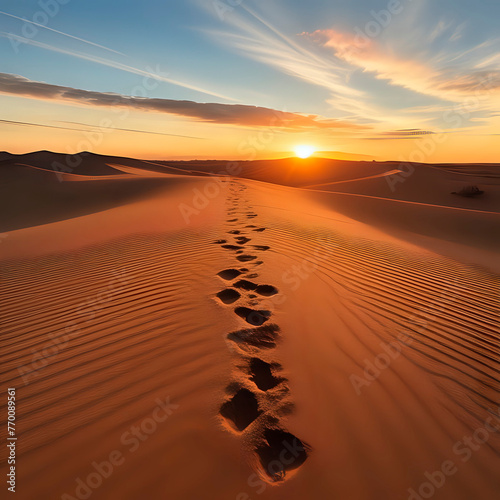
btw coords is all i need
(233, 114)
(450, 76)
(419, 58)
(257, 38)
(409, 132)
(62, 33)
(156, 75)
(251, 35)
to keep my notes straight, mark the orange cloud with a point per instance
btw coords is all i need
(435, 76)
(233, 114)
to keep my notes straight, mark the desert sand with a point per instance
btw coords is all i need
(291, 329)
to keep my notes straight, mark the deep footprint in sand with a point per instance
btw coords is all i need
(242, 240)
(262, 374)
(246, 258)
(253, 317)
(242, 409)
(220, 242)
(263, 337)
(260, 247)
(260, 229)
(266, 290)
(229, 274)
(228, 296)
(245, 285)
(232, 247)
(271, 453)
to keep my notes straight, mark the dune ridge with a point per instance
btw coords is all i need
(294, 343)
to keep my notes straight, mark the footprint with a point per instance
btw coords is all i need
(260, 247)
(260, 229)
(246, 258)
(277, 445)
(228, 296)
(266, 290)
(262, 375)
(229, 274)
(242, 409)
(232, 247)
(245, 285)
(234, 232)
(250, 226)
(220, 242)
(232, 220)
(264, 337)
(253, 316)
(242, 240)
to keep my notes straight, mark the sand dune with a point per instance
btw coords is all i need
(178, 336)
(33, 196)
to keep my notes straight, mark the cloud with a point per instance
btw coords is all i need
(409, 132)
(446, 75)
(248, 33)
(231, 114)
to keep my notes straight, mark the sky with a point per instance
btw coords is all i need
(405, 80)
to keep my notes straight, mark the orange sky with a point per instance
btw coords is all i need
(425, 87)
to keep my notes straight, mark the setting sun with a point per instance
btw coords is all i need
(304, 151)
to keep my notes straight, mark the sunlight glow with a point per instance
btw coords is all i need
(304, 151)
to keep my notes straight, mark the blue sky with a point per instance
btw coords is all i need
(332, 59)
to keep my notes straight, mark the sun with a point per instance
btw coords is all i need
(304, 151)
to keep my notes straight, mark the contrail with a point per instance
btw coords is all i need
(113, 64)
(137, 131)
(62, 33)
(10, 122)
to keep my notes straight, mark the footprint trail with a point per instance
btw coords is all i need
(255, 407)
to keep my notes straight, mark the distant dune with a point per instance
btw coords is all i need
(299, 329)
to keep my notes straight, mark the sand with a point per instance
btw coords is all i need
(173, 335)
